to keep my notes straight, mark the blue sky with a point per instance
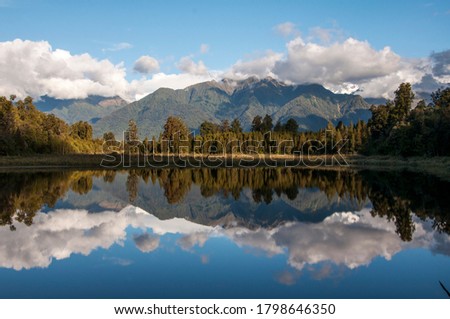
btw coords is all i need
(230, 31)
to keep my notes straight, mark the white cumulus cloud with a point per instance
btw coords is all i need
(260, 66)
(187, 65)
(343, 65)
(349, 61)
(146, 65)
(34, 68)
(338, 66)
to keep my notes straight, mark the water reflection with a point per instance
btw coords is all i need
(271, 224)
(252, 198)
(344, 238)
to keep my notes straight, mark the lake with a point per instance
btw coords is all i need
(224, 233)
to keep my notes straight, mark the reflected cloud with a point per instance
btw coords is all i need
(146, 242)
(60, 233)
(322, 273)
(351, 239)
(352, 244)
(287, 278)
(196, 239)
(119, 261)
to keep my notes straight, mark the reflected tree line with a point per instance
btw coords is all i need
(22, 195)
(265, 183)
(394, 195)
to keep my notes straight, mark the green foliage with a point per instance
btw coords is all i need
(132, 133)
(176, 135)
(441, 98)
(208, 128)
(291, 126)
(266, 124)
(174, 128)
(278, 127)
(257, 124)
(26, 130)
(404, 97)
(82, 130)
(109, 136)
(282, 139)
(395, 129)
(236, 126)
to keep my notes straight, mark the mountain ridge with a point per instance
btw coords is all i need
(311, 105)
(89, 109)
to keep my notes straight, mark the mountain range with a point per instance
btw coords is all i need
(90, 109)
(311, 105)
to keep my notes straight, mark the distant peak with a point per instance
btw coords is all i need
(234, 84)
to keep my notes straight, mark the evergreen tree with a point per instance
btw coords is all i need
(404, 97)
(81, 129)
(109, 136)
(225, 126)
(207, 128)
(176, 134)
(26, 130)
(236, 127)
(132, 133)
(257, 123)
(278, 127)
(441, 98)
(291, 126)
(266, 125)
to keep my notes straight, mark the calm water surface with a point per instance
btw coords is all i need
(213, 233)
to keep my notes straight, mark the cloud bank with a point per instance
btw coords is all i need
(344, 65)
(36, 69)
(351, 239)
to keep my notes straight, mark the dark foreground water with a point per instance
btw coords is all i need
(213, 233)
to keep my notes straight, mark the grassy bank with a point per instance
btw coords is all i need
(439, 166)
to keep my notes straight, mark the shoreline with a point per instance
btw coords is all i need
(439, 166)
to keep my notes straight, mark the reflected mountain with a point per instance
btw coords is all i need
(251, 198)
(300, 232)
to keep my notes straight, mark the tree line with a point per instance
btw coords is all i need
(26, 130)
(229, 138)
(398, 129)
(395, 128)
